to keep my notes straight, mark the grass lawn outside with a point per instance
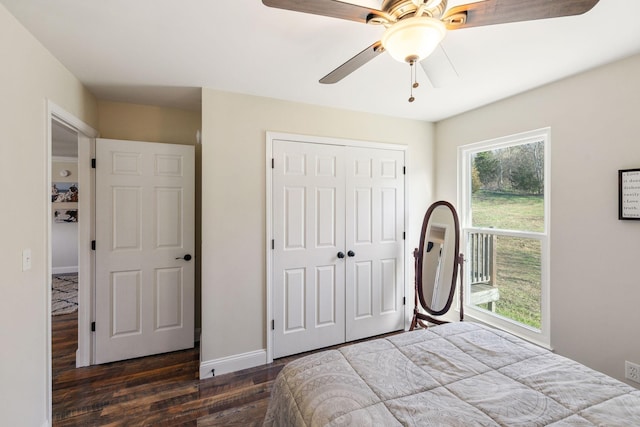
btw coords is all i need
(518, 260)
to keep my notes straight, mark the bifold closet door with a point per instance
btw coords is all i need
(308, 229)
(374, 236)
(338, 222)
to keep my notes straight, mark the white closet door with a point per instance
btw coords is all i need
(374, 235)
(308, 230)
(144, 229)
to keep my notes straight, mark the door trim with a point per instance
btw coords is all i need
(86, 134)
(309, 139)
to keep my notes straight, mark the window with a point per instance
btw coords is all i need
(504, 205)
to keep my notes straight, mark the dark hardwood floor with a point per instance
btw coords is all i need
(162, 390)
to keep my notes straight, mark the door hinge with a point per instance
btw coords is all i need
(404, 170)
(273, 324)
(404, 235)
(273, 244)
(273, 163)
(93, 245)
(93, 163)
(404, 300)
(93, 326)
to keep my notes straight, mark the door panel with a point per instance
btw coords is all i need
(326, 295)
(363, 216)
(169, 211)
(127, 220)
(144, 226)
(389, 221)
(126, 303)
(326, 220)
(374, 227)
(294, 287)
(388, 276)
(308, 277)
(169, 291)
(363, 288)
(295, 217)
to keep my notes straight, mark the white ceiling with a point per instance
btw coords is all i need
(162, 51)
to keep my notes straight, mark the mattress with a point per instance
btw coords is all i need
(457, 374)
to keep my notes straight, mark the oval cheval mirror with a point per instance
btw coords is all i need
(437, 261)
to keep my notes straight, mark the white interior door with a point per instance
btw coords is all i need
(308, 231)
(144, 230)
(374, 241)
(338, 252)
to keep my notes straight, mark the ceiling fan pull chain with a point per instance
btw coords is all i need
(414, 79)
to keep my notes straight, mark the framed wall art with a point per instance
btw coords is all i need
(64, 192)
(65, 215)
(629, 194)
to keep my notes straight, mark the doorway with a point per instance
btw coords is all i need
(165, 164)
(64, 129)
(71, 145)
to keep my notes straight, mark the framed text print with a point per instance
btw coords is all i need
(629, 194)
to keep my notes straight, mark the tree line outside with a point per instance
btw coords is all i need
(518, 169)
(508, 193)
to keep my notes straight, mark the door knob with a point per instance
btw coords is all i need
(187, 257)
(340, 255)
(351, 253)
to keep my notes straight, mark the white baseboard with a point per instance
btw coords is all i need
(224, 365)
(64, 270)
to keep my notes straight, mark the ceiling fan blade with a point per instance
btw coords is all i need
(353, 64)
(439, 68)
(332, 8)
(490, 12)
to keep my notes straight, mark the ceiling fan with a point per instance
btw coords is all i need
(415, 28)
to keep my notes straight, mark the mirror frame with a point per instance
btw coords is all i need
(419, 254)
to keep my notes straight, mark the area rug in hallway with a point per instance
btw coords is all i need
(64, 293)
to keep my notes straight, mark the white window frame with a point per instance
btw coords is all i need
(465, 152)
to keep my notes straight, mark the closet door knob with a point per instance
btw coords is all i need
(340, 255)
(187, 257)
(351, 253)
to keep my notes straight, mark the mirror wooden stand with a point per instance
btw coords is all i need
(437, 262)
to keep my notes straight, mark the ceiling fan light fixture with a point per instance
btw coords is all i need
(413, 39)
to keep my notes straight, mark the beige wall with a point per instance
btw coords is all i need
(29, 76)
(595, 269)
(134, 122)
(233, 202)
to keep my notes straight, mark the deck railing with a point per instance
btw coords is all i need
(481, 260)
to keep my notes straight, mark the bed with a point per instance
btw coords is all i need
(457, 374)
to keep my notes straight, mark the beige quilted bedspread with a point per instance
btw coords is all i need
(458, 374)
